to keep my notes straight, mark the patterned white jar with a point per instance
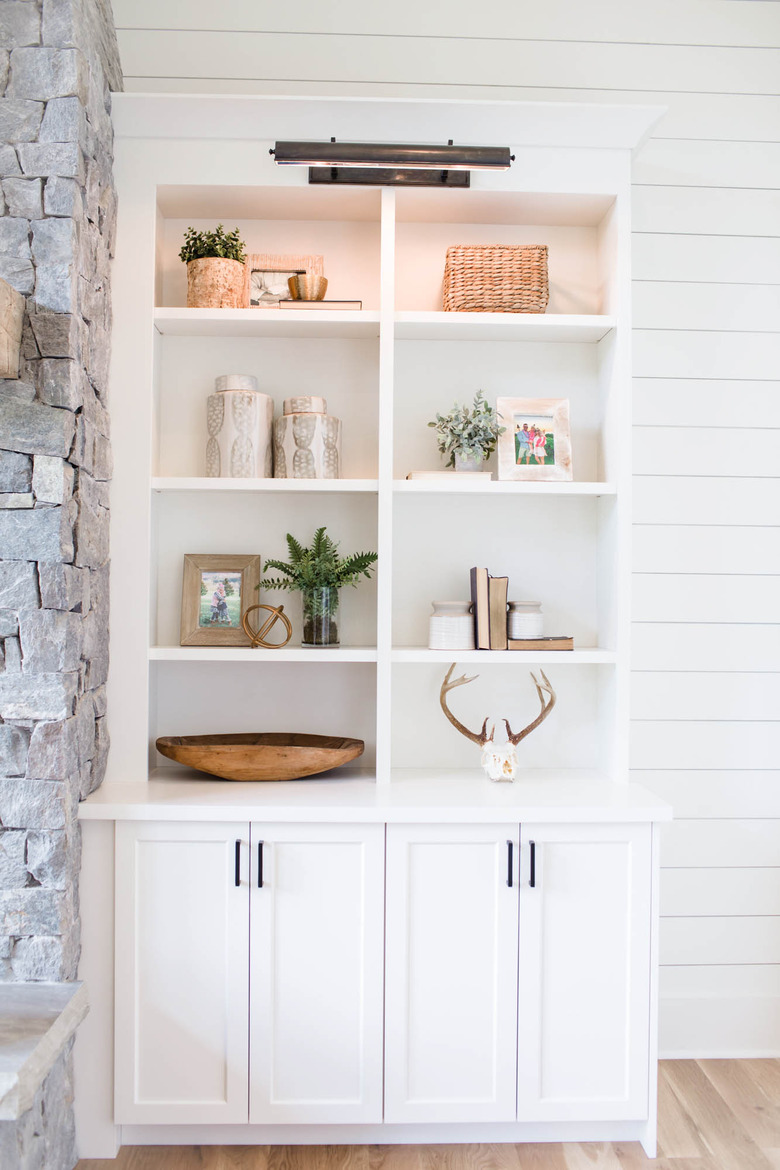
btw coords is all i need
(525, 619)
(240, 422)
(452, 626)
(307, 441)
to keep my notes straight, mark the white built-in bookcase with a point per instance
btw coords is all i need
(384, 371)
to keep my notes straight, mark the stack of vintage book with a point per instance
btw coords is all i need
(489, 596)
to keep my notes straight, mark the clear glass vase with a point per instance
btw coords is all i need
(320, 616)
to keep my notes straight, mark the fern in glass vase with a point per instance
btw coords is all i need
(318, 572)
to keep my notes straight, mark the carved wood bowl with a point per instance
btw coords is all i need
(266, 755)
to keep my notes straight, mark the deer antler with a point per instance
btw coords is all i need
(449, 684)
(543, 690)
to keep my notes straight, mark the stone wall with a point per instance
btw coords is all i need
(58, 63)
(44, 1138)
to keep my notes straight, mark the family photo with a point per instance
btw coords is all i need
(534, 439)
(220, 599)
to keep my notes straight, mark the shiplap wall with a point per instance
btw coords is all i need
(706, 691)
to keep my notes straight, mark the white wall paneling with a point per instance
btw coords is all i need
(686, 695)
(706, 213)
(705, 940)
(702, 597)
(716, 794)
(716, 647)
(693, 893)
(716, 842)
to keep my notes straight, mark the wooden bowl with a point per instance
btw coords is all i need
(265, 755)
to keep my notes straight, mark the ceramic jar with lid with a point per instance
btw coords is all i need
(307, 441)
(525, 619)
(240, 423)
(452, 626)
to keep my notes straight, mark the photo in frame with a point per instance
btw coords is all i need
(536, 444)
(217, 590)
(267, 276)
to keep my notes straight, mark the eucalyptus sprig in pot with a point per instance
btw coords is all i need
(468, 435)
(216, 275)
(317, 573)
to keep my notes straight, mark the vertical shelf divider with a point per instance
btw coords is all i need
(384, 617)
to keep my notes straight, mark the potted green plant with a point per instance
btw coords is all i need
(318, 573)
(215, 268)
(468, 435)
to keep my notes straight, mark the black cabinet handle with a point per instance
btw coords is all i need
(259, 865)
(238, 863)
(532, 879)
(509, 867)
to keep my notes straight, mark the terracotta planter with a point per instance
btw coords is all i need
(215, 283)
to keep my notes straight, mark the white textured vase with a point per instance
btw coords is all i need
(307, 442)
(240, 426)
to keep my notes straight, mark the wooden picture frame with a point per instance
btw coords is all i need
(284, 267)
(521, 453)
(211, 617)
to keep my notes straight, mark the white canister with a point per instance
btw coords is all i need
(525, 619)
(307, 446)
(240, 426)
(452, 626)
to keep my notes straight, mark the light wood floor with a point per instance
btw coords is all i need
(713, 1115)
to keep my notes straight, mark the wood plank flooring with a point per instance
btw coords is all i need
(713, 1115)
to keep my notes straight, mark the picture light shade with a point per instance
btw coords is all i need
(387, 155)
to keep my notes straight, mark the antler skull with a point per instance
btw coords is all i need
(499, 762)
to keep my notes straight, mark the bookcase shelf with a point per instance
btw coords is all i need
(384, 371)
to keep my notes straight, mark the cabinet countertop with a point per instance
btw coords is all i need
(411, 797)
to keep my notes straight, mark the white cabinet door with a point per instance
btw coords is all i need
(181, 972)
(584, 972)
(316, 973)
(451, 973)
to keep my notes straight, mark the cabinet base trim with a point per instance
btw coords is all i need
(352, 1135)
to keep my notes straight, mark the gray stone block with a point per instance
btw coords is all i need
(14, 239)
(9, 625)
(54, 291)
(103, 459)
(97, 673)
(36, 534)
(20, 120)
(16, 500)
(33, 428)
(20, 274)
(54, 241)
(51, 640)
(16, 388)
(36, 804)
(9, 163)
(5, 67)
(14, 742)
(60, 382)
(44, 73)
(15, 472)
(64, 121)
(102, 746)
(62, 197)
(52, 479)
(13, 867)
(85, 729)
(51, 158)
(18, 585)
(49, 959)
(57, 335)
(63, 586)
(99, 699)
(23, 197)
(21, 24)
(37, 696)
(54, 751)
(33, 911)
(53, 859)
(13, 656)
(91, 535)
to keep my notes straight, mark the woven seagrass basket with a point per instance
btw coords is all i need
(496, 278)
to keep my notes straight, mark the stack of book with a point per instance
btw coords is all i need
(489, 596)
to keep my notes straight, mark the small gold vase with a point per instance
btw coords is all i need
(307, 287)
